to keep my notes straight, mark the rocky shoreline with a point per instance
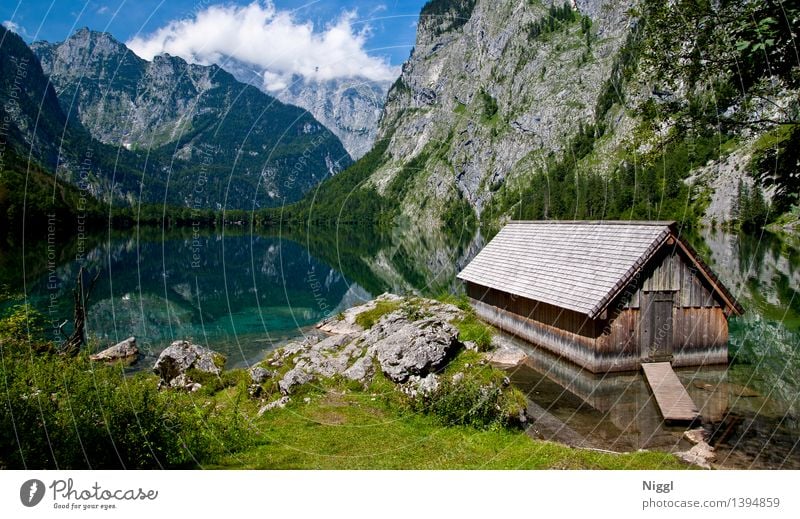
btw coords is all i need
(414, 343)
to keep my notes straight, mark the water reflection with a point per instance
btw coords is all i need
(239, 295)
(618, 412)
(249, 293)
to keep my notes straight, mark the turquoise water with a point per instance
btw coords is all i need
(239, 295)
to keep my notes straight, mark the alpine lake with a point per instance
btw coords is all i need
(244, 294)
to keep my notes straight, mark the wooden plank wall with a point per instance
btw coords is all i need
(583, 351)
(700, 327)
(567, 320)
(671, 271)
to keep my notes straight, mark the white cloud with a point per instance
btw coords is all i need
(14, 27)
(103, 9)
(270, 40)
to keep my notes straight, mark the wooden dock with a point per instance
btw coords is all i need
(673, 400)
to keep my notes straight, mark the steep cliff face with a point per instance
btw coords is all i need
(594, 109)
(491, 89)
(36, 136)
(248, 149)
(350, 107)
(503, 101)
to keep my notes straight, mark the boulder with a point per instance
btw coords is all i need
(420, 386)
(277, 404)
(125, 351)
(362, 370)
(701, 455)
(416, 348)
(259, 375)
(294, 377)
(330, 357)
(181, 356)
(345, 323)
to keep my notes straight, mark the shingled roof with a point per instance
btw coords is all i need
(579, 266)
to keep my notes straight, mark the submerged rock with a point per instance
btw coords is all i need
(506, 355)
(125, 351)
(181, 356)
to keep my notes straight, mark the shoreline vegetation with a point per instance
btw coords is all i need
(397, 383)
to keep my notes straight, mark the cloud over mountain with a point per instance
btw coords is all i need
(270, 40)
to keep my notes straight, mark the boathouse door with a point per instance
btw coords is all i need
(656, 325)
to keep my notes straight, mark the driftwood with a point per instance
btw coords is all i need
(73, 344)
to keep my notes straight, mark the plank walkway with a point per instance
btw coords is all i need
(672, 399)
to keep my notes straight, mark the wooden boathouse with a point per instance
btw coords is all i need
(608, 296)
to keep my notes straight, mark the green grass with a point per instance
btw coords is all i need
(367, 319)
(339, 429)
(470, 328)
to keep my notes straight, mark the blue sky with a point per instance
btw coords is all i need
(392, 22)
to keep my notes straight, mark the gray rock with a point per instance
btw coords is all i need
(346, 323)
(701, 455)
(420, 386)
(125, 351)
(184, 383)
(330, 356)
(506, 355)
(259, 375)
(294, 377)
(362, 369)
(696, 436)
(181, 356)
(276, 404)
(416, 348)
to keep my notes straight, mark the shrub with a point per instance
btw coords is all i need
(473, 402)
(22, 328)
(213, 384)
(71, 413)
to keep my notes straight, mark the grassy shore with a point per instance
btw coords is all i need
(71, 413)
(343, 429)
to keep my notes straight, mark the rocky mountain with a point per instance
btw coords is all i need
(37, 137)
(217, 142)
(349, 107)
(585, 109)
